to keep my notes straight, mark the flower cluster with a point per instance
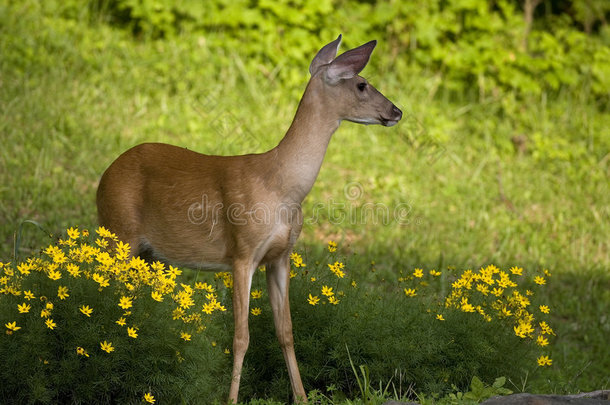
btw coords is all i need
(492, 293)
(322, 292)
(65, 272)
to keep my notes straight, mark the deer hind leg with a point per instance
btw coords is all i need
(278, 279)
(243, 271)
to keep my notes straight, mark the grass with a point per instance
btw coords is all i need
(73, 97)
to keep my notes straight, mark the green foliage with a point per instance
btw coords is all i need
(464, 42)
(478, 393)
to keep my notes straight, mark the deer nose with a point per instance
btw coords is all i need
(397, 113)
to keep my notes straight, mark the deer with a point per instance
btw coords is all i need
(240, 212)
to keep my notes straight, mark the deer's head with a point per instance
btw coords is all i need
(351, 96)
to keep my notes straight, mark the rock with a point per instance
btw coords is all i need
(590, 398)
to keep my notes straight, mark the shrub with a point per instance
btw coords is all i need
(85, 324)
(407, 332)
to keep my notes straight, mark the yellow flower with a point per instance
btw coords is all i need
(86, 310)
(518, 271)
(542, 341)
(545, 309)
(313, 279)
(440, 317)
(293, 273)
(125, 302)
(333, 300)
(122, 251)
(297, 260)
(45, 313)
(209, 307)
(327, 291)
(435, 273)
(73, 269)
(54, 274)
(132, 332)
(544, 361)
(418, 273)
(332, 246)
(505, 313)
(157, 296)
(227, 351)
(24, 308)
(62, 292)
(227, 279)
(483, 289)
(539, 280)
(546, 329)
(410, 292)
(497, 291)
(73, 233)
(120, 321)
(336, 268)
(59, 257)
(465, 306)
(24, 268)
(256, 311)
(28, 295)
(103, 243)
(458, 284)
(81, 352)
(107, 346)
(523, 330)
(354, 284)
(50, 324)
(11, 327)
(148, 397)
(103, 282)
(187, 337)
(8, 270)
(547, 273)
(105, 233)
(204, 286)
(173, 272)
(313, 300)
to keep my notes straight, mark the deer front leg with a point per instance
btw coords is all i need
(278, 279)
(242, 281)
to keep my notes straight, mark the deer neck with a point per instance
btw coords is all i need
(301, 152)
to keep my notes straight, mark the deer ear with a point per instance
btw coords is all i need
(350, 63)
(325, 55)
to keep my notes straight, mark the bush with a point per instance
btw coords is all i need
(86, 325)
(488, 44)
(426, 333)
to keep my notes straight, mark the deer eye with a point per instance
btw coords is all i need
(361, 86)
